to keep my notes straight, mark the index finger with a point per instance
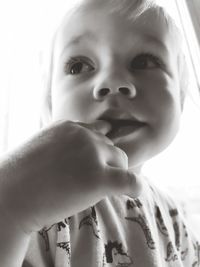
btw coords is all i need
(100, 127)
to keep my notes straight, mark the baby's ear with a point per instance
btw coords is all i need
(183, 77)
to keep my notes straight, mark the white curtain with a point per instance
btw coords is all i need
(194, 10)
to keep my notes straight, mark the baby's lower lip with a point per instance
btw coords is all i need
(125, 130)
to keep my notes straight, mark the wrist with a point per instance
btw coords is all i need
(13, 241)
(12, 210)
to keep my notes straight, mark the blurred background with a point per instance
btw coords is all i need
(26, 28)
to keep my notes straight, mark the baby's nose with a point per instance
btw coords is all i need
(103, 90)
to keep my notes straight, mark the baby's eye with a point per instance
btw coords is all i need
(145, 61)
(79, 65)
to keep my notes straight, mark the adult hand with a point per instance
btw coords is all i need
(61, 171)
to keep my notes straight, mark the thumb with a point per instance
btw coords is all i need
(121, 181)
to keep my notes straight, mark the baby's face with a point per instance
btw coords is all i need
(110, 68)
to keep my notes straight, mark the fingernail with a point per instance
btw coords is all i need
(103, 126)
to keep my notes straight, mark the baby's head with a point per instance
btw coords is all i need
(120, 61)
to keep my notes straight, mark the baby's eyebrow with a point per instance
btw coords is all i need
(90, 36)
(76, 40)
(153, 39)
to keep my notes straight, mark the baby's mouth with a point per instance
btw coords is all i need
(123, 127)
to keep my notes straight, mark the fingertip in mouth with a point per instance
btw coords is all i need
(123, 127)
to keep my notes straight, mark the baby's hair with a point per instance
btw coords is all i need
(131, 10)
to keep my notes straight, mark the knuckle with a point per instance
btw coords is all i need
(62, 126)
(76, 129)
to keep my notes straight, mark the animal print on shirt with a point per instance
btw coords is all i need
(114, 253)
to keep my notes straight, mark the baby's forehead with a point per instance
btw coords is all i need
(142, 15)
(151, 20)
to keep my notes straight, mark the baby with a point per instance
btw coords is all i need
(74, 195)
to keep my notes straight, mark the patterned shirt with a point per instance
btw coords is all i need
(119, 231)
